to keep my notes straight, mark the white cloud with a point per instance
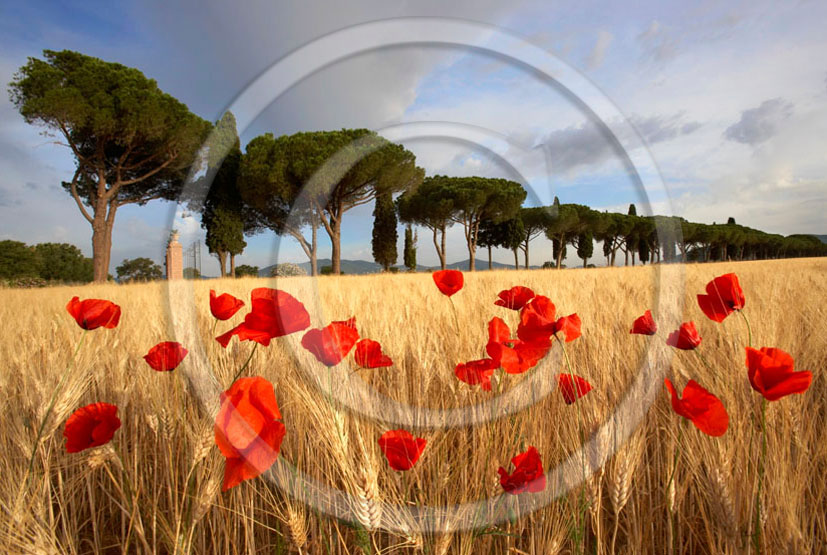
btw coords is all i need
(759, 124)
(604, 39)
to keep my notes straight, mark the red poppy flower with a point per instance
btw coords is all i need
(165, 356)
(567, 387)
(477, 372)
(224, 306)
(528, 473)
(514, 298)
(771, 373)
(723, 297)
(569, 325)
(94, 313)
(91, 426)
(700, 406)
(537, 319)
(274, 314)
(685, 338)
(401, 448)
(645, 325)
(369, 355)
(332, 343)
(448, 281)
(248, 429)
(513, 355)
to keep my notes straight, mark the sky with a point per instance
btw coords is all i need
(728, 99)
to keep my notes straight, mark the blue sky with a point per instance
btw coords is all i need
(730, 100)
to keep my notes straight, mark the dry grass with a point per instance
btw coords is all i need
(156, 488)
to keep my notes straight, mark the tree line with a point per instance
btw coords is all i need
(133, 143)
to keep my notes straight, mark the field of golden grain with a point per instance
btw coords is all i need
(156, 486)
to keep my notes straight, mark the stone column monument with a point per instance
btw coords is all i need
(175, 257)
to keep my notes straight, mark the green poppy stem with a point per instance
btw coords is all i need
(249, 358)
(51, 407)
(761, 468)
(749, 328)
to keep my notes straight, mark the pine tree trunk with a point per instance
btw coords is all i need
(232, 265)
(314, 266)
(100, 269)
(516, 260)
(526, 255)
(443, 257)
(336, 246)
(101, 243)
(490, 261)
(440, 251)
(222, 262)
(562, 240)
(471, 260)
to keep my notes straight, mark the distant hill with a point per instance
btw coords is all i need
(822, 237)
(357, 267)
(483, 265)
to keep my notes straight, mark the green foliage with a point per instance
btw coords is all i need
(122, 130)
(430, 205)
(585, 246)
(18, 260)
(313, 178)
(643, 251)
(25, 282)
(409, 253)
(557, 252)
(507, 234)
(138, 269)
(246, 270)
(225, 231)
(192, 273)
(63, 262)
(567, 221)
(384, 231)
(223, 213)
(326, 270)
(632, 210)
(477, 199)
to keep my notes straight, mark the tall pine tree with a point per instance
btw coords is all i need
(384, 231)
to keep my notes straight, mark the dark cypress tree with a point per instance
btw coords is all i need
(409, 253)
(585, 247)
(384, 231)
(631, 239)
(643, 251)
(730, 221)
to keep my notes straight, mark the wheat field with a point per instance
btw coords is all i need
(156, 487)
